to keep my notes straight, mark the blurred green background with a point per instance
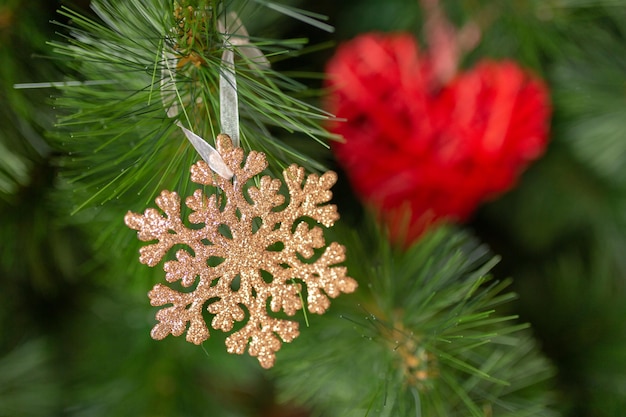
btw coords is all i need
(74, 321)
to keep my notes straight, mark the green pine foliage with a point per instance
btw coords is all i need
(137, 60)
(427, 334)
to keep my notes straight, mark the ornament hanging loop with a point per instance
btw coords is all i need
(235, 35)
(229, 103)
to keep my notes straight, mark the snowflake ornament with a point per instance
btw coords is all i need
(251, 254)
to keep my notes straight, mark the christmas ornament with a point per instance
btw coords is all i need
(423, 144)
(248, 250)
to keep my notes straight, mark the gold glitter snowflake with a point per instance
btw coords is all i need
(250, 254)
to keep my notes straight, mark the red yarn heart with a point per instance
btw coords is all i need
(420, 152)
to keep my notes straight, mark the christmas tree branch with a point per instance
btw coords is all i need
(428, 326)
(156, 59)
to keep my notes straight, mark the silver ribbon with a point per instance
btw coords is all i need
(210, 155)
(229, 104)
(234, 34)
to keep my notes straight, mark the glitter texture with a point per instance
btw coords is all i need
(250, 256)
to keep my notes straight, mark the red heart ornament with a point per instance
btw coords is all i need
(420, 152)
